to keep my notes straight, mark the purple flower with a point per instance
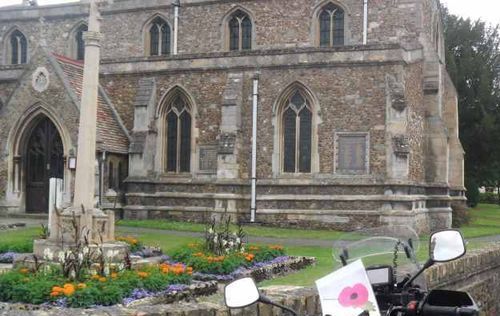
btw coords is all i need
(138, 294)
(7, 257)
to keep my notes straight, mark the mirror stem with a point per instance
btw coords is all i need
(426, 266)
(265, 300)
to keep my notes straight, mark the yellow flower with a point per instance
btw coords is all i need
(95, 277)
(82, 285)
(102, 279)
(24, 271)
(114, 275)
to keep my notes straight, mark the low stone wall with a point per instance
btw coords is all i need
(478, 273)
(307, 203)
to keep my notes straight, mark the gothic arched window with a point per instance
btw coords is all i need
(240, 31)
(331, 26)
(178, 135)
(159, 37)
(296, 131)
(18, 48)
(79, 42)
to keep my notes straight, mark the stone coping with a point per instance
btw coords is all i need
(263, 271)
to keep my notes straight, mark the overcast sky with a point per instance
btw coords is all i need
(487, 10)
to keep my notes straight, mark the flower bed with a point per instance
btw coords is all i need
(7, 257)
(49, 287)
(204, 261)
(261, 271)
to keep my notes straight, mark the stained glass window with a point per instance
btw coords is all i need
(19, 48)
(297, 135)
(80, 44)
(331, 26)
(159, 37)
(240, 31)
(178, 136)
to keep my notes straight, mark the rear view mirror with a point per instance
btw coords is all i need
(446, 245)
(241, 293)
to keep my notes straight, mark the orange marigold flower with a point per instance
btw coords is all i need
(24, 270)
(114, 275)
(102, 279)
(69, 289)
(189, 270)
(95, 277)
(165, 270)
(54, 294)
(57, 289)
(81, 286)
(143, 274)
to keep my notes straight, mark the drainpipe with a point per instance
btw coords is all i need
(102, 164)
(176, 4)
(255, 104)
(365, 21)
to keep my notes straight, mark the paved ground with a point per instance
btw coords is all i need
(30, 222)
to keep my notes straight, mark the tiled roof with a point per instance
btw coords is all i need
(111, 136)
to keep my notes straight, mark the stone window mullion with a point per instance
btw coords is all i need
(179, 139)
(297, 142)
(240, 35)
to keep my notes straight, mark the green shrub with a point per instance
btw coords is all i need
(488, 198)
(472, 193)
(461, 215)
(19, 246)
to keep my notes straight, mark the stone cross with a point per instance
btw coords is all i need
(97, 223)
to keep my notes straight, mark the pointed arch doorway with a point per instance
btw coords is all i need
(44, 159)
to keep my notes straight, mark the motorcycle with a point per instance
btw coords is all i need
(393, 270)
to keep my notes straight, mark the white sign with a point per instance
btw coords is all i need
(347, 292)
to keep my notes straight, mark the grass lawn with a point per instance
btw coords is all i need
(485, 221)
(19, 240)
(260, 231)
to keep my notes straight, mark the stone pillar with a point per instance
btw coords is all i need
(398, 148)
(143, 145)
(227, 162)
(85, 181)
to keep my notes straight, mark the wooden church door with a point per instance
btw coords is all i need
(44, 160)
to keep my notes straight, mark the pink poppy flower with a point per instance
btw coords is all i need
(356, 296)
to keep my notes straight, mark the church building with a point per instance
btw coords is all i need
(296, 113)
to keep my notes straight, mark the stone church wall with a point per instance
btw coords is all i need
(278, 24)
(376, 89)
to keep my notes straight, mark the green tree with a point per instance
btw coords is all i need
(473, 62)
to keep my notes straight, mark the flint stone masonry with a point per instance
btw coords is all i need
(394, 90)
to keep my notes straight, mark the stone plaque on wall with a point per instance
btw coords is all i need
(208, 159)
(351, 153)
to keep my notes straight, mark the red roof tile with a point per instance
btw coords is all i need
(111, 136)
